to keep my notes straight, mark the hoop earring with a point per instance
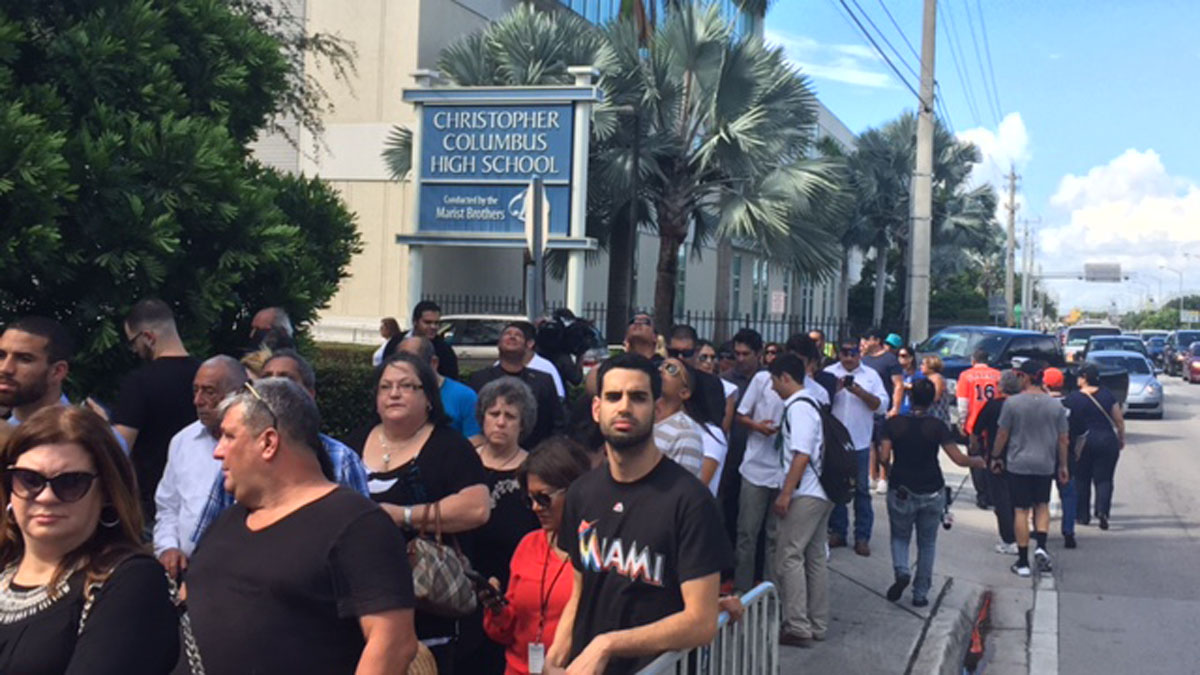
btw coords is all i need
(113, 522)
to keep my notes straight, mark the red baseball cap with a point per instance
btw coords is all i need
(1052, 378)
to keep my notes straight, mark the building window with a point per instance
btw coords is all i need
(736, 275)
(760, 291)
(787, 291)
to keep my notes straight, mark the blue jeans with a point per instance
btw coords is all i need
(925, 512)
(1070, 503)
(864, 516)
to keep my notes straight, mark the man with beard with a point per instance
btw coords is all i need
(34, 361)
(155, 401)
(515, 343)
(643, 536)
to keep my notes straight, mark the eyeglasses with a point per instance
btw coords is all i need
(254, 392)
(28, 484)
(543, 499)
(671, 369)
(902, 355)
(707, 357)
(408, 387)
(640, 321)
(849, 351)
(131, 342)
(681, 353)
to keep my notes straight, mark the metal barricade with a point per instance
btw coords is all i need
(747, 647)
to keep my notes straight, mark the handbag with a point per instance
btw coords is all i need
(190, 649)
(440, 581)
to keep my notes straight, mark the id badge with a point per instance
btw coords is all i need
(537, 658)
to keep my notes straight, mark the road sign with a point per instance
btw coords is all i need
(1189, 316)
(1102, 272)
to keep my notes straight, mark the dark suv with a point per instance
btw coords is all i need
(1175, 348)
(956, 344)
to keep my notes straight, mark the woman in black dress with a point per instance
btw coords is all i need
(414, 459)
(79, 593)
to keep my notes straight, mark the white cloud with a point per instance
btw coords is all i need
(999, 149)
(1130, 211)
(848, 63)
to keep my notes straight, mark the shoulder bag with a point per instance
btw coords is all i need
(440, 572)
(190, 648)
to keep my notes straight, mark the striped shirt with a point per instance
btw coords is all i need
(679, 438)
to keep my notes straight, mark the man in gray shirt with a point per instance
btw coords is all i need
(1033, 434)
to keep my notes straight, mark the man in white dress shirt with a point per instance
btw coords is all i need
(183, 490)
(860, 394)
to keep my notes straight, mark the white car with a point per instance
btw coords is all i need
(474, 336)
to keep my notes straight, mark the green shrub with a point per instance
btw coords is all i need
(345, 386)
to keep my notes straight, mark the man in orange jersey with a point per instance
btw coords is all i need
(976, 386)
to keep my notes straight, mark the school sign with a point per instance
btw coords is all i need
(476, 151)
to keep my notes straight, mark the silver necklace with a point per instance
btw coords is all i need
(16, 605)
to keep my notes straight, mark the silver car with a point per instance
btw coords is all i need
(1145, 392)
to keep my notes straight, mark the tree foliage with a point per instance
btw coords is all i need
(124, 173)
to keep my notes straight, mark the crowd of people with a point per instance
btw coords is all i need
(204, 523)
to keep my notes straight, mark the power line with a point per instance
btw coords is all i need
(880, 51)
(956, 54)
(987, 49)
(899, 56)
(941, 101)
(979, 62)
(899, 30)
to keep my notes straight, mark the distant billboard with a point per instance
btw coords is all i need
(1102, 272)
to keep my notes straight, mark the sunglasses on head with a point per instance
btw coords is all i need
(681, 353)
(28, 484)
(543, 499)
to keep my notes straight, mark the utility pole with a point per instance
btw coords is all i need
(922, 183)
(1028, 283)
(1010, 258)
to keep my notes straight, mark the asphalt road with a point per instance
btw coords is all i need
(1129, 598)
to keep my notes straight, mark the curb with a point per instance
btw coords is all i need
(1043, 627)
(943, 643)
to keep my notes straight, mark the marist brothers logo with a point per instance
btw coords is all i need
(603, 555)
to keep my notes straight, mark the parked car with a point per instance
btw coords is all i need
(1154, 347)
(1110, 343)
(1177, 343)
(1191, 358)
(1075, 338)
(1145, 395)
(474, 336)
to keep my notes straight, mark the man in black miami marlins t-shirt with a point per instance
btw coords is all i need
(644, 537)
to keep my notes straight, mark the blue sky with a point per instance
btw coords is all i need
(1097, 109)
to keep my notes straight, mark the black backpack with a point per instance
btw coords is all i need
(838, 470)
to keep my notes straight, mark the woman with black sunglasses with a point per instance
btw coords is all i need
(79, 592)
(541, 578)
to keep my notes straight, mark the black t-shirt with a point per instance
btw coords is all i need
(287, 598)
(916, 442)
(510, 521)
(1090, 418)
(635, 544)
(550, 419)
(132, 628)
(987, 424)
(445, 465)
(887, 365)
(155, 399)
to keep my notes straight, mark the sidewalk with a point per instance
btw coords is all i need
(868, 634)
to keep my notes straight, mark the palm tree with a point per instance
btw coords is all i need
(726, 128)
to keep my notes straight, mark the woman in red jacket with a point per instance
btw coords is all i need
(540, 575)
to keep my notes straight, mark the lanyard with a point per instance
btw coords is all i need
(543, 592)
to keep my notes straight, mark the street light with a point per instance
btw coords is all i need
(1172, 269)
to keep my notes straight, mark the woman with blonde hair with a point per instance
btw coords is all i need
(931, 368)
(79, 592)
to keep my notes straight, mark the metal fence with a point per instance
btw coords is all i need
(748, 647)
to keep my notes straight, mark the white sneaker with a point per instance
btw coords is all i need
(1043, 560)
(1020, 570)
(881, 487)
(1006, 549)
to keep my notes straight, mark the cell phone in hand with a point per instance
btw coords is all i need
(847, 381)
(489, 597)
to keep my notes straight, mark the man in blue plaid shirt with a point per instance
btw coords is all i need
(348, 469)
